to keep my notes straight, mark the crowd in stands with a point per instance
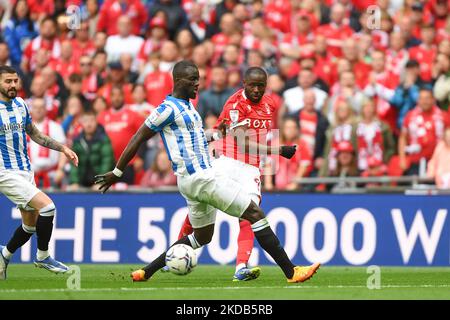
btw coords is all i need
(362, 86)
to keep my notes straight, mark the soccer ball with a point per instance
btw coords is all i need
(181, 259)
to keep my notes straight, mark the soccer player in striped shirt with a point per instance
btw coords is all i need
(17, 179)
(204, 187)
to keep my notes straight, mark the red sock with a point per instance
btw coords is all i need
(186, 229)
(245, 242)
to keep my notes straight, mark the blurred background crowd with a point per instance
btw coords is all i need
(363, 92)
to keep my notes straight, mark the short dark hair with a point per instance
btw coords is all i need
(90, 112)
(7, 69)
(291, 117)
(179, 70)
(428, 26)
(255, 71)
(100, 51)
(49, 19)
(75, 77)
(412, 64)
(219, 66)
(426, 88)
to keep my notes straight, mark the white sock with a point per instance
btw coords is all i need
(41, 255)
(6, 253)
(240, 266)
(193, 241)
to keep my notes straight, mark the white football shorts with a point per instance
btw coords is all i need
(248, 176)
(210, 190)
(19, 187)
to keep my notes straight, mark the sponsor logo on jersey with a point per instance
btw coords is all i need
(259, 123)
(11, 127)
(234, 116)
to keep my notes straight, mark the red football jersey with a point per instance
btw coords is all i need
(257, 117)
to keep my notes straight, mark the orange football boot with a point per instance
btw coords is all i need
(301, 274)
(138, 275)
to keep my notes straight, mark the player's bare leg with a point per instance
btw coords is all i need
(200, 237)
(271, 244)
(44, 227)
(21, 236)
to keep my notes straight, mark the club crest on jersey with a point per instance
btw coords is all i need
(234, 116)
(267, 108)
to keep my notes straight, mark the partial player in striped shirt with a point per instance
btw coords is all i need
(205, 188)
(17, 179)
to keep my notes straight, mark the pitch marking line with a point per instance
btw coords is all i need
(214, 288)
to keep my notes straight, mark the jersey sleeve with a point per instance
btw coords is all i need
(160, 117)
(28, 119)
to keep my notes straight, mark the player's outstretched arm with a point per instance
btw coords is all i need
(108, 179)
(246, 145)
(45, 141)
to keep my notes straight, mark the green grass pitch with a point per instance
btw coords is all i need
(103, 281)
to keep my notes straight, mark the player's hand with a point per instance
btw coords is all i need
(106, 180)
(72, 156)
(222, 127)
(288, 151)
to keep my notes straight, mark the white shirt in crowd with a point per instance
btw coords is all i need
(117, 45)
(40, 163)
(293, 98)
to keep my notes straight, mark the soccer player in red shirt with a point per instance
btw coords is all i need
(247, 113)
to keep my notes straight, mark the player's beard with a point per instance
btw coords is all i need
(9, 94)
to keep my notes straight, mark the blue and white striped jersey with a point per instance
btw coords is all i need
(181, 130)
(14, 117)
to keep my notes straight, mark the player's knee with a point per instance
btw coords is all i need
(253, 213)
(48, 211)
(203, 238)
